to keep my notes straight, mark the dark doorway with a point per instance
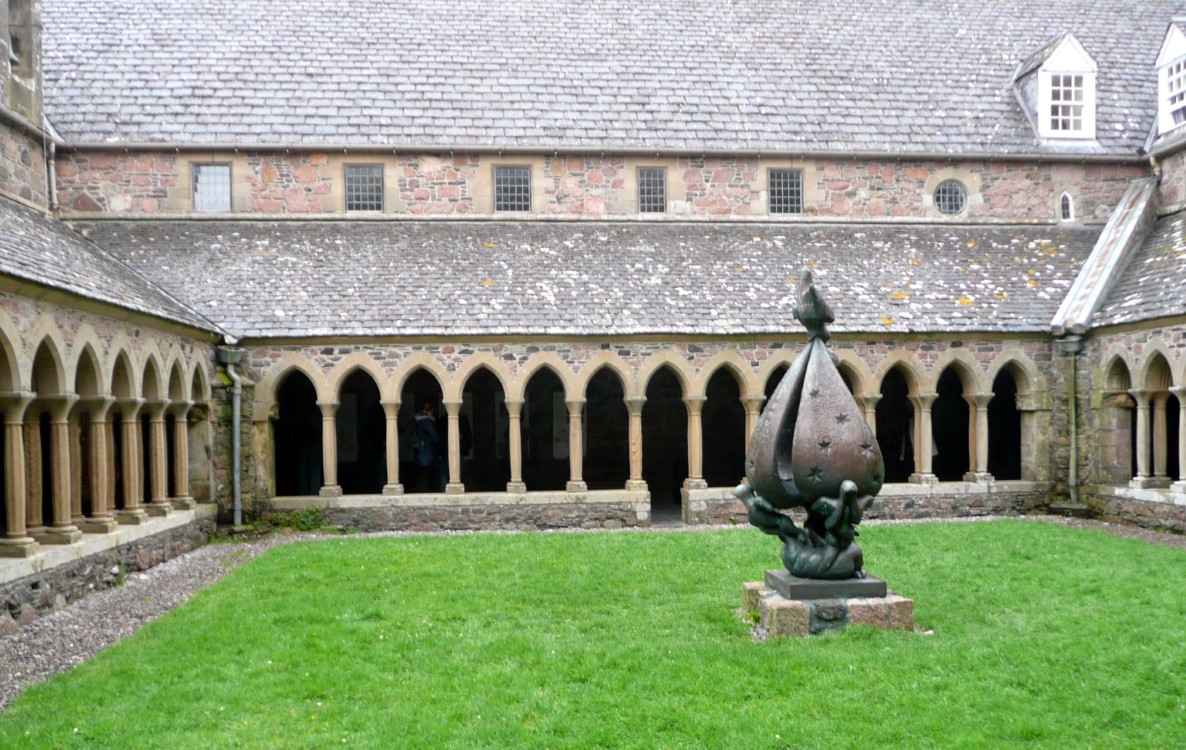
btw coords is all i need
(545, 433)
(607, 432)
(146, 458)
(361, 428)
(3, 464)
(423, 468)
(47, 468)
(772, 383)
(665, 442)
(484, 434)
(1173, 468)
(297, 437)
(118, 499)
(1004, 429)
(723, 430)
(895, 427)
(86, 476)
(949, 426)
(171, 455)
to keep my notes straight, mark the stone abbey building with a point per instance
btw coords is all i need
(244, 243)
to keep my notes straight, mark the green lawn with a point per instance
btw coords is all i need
(1044, 636)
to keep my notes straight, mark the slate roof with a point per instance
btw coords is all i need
(36, 248)
(456, 278)
(1154, 283)
(916, 76)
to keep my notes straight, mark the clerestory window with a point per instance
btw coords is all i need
(1175, 91)
(785, 191)
(364, 187)
(512, 188)
(212, 187)
(652, 190)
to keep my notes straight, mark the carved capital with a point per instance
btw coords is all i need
(635, 403)
(14, 404)
(328, 409)
(575, 406)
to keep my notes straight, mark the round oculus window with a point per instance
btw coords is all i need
(951, 197)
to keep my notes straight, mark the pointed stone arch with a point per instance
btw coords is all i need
(152, 381)
(413, 363)
(738, 367)
(124, 381)
(270, 384)
(908, 365)
(88, 373)
(1029, 380)
(602, 360)
(553, 362)
(43, 331)
(783, 358)
(176, 389)
(856, 370)
(10, 361)
(199, 384)
(475, 363)
(49, 376)
(358, 361)
(964, 365)
(679, 367)
(1157, 373)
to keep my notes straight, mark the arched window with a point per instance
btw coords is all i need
(1066, 207)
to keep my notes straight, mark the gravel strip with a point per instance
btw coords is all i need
(64, 639)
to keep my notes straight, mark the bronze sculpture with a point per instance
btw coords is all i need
(812, 449)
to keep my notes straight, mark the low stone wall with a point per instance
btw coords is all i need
(56, 576)
(1151, 508)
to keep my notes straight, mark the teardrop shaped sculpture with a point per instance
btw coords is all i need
(813, 449)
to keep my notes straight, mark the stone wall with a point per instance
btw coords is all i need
(594, 186)
(1172, 189)
(1162, 510)
(22, 166)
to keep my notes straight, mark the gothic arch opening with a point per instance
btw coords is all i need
(87, 385)
(361, 427)
(123, 390)
(484, 433)
(544, 427)
(772, 382)
(296, 435)
(1162, 430)
(424, 465)
(665, 442)
(895, 427)
(723, 430)
(7, 382)
(48, 383)
(607, 432)
(1004, 429)
(198, 437)
(949, 426)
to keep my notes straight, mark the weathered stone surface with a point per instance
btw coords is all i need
(27, 615)
(8, 625)
(785, 617)
(892, 612)
(751, 595)
(793, 587)
(486, 517)
(791, 617)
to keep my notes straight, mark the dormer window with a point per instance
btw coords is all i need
(1171, 78)
(1066, 102)
(1056, 87)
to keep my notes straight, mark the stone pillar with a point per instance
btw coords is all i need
(16, 542)
(923, 439)
(454, 485)
(1143, 477)
(158, 480)
(100, 521)
(869, 403)
(576, 453)
(695, 480)
(391, 412)
(1160, 436)
(61, 529)
(1180, 393)
(76, 517)
(34, 475)
(329, 449)
(515, 446)
(634, 406)
(181, 499)
(133, 511)
(978, 448)
(753, 410)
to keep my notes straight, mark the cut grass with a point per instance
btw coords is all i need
(1044, 636)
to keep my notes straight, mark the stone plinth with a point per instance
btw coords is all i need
(793, 587)
(780, 615)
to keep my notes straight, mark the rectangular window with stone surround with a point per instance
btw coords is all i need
(1176, 91)
(785, 191)
(364, 187)
(512, 189)
(212, 187)
(652, 190)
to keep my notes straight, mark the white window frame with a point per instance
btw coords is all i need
(1173, 72)
(1069, 215)
(206, 204)
(1046, 118)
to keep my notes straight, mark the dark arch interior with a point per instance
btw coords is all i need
(723, 430)
(3, 465)
(1004, 429)
(772, 383)
(47, 471)
(86, 475)
(361, 428)
(895, 427)
(429, 473)
(484, 429)
(297, 433)
(1173, 470)
(116, 433)
(665, 441)
(146, 459)
(607, 432)
(949, 427)
(544, 427)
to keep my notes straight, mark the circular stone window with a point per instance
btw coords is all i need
(951, 197)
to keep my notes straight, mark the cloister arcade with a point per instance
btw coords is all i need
(662, 425)
(92, 441)
(1141, 422)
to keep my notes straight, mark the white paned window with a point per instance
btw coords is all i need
(512, 189)
(364, 187)
(212, 187)
(785, 191)
(652, 190)
(1066, 103)
(1175, 86)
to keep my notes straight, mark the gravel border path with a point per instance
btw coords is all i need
(64, 639)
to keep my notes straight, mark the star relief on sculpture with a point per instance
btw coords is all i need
(811, 453)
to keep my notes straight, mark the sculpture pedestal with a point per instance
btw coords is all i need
(790, 606)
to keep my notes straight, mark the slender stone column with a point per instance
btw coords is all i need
(133, 511)
(158, 480)
(1180, 393)
(329, 449)
(978, 453)
(391, 412)
(16, 542)
(576, 482)
(515, 446)
(454, 485)
(76, 516)
(753, 410)
(1143, 397)
(923, 439)
(1160, 435)
(61, 529)
(181, 499)
(100, 520)
(869, 402)
(634, 406)
(34, 474)
(695, 480)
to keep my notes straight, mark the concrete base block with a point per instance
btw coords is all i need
(18, 547)
(924, 479)
(104, 525)
(454, 488)
(891, 612)
(159, 510)
(132, 517)
(393, 489)
(516, 488)
(576, 487)
(61, 535)
(183, 503)
(793, 587)
(330, 490)
(782, 617)
(636, 485)
(1141, 483)
(751, 595)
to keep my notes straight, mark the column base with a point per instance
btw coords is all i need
(59, 535)
(1179, 486)
(393, 489)
(25, 546)
(101, 525)
(1149, 483)
(132, 517)
(979, 476)
(517, 488)
(183, 503)
(330, 490)
(917, 478)
(454, 488)
(695, 484)
(636, 485)
(159, 510)
(576, 487)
